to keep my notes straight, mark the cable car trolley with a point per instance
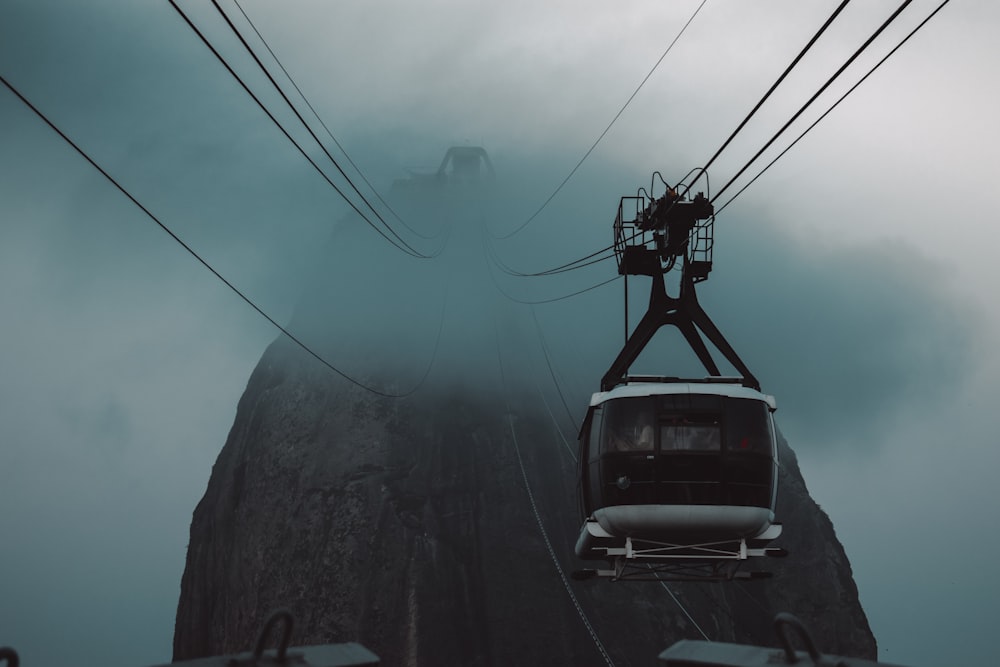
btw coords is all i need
(678, 476)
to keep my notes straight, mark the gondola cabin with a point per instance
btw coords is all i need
(689, 467)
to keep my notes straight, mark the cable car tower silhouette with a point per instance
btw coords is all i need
(678, 477)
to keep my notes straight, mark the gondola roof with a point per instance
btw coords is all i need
(711, 386)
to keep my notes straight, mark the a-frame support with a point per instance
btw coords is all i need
(685, 313)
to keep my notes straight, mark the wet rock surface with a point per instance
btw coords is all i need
(407, 525)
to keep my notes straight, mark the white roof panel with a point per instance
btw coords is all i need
(633, 389)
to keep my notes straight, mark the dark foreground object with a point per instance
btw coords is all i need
(688, 653)
(684, 653)
(328, 655)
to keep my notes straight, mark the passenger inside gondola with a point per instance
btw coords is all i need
(629, 426)
(684, 433)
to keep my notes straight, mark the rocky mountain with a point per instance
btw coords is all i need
(408, 525)
(438, 529)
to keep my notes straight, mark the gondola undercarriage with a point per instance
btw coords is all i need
(649, 558)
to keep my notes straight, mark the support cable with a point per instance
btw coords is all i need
(552, 373)
(191, 251)
(606, 130)
(489, 270)
(609, 250)
(777, 83)
(822, 88)
(548, 408)
(538, 517)
(834, 105)
(555, 422)
(400, 244)
(678, 603)
(753, 599)
(564, 268)
(249, 49)
(327, 129)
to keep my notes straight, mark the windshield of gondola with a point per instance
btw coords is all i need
(628, 425)
(748, 426)
(691, 433)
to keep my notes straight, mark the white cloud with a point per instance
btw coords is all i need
(98, 299)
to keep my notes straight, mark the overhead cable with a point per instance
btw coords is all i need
(191, 251)
(608, 252)
(327, 129)
(570, 266)
(606, 130)
(400, 244)
(822, 88)
(555, 422)
(683, 608)
(834, 105)
(538, 302)
(541, 301)
(302, 120)
(552, 372)
(564, 296)
(781, 78)
(538, 517)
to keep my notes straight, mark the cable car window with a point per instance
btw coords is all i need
(595, 433)
(749, 426)
(696, 432)
(628, 425)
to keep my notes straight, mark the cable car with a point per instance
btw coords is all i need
(677, 477)
(462, 166)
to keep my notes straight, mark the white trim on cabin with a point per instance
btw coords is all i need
(634, 389)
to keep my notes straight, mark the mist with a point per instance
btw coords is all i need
(124, 358)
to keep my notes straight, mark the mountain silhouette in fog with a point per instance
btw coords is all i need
(406, 524)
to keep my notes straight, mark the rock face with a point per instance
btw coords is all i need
(439, 530)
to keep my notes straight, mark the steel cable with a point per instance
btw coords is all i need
(191, 251)
(777, 83)
(302, 120)
(822, 88)
(400, 245)
(538, 516)
(327, 129)
(540, 301)
(835, 104)
(606, 130)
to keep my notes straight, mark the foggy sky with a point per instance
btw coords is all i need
(855, 278)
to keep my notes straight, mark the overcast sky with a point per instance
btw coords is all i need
(856, 277)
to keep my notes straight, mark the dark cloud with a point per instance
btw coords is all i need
(123, 358)
(847, 336)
